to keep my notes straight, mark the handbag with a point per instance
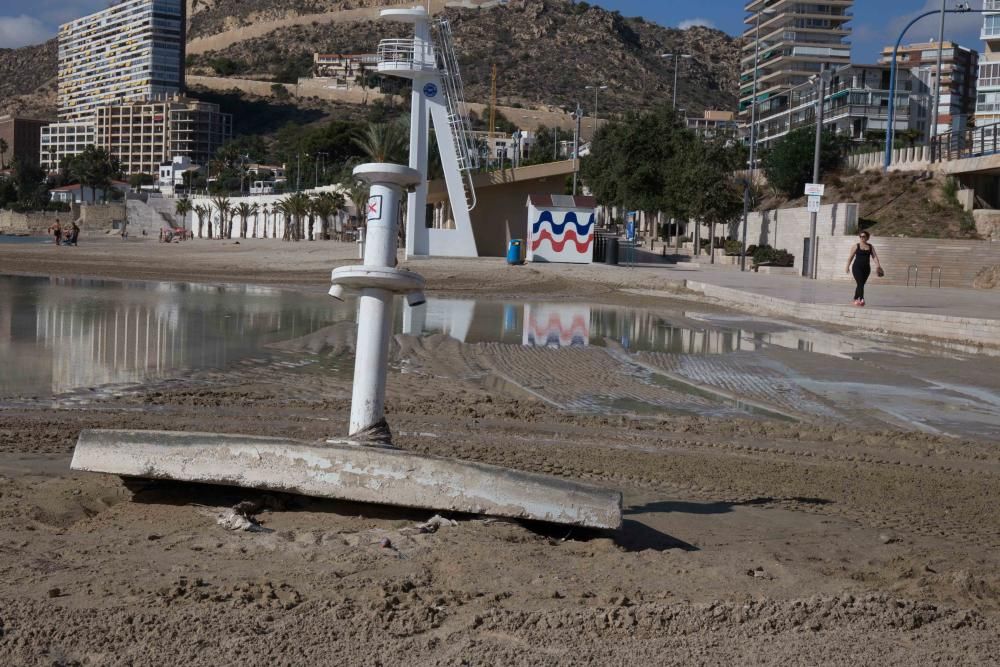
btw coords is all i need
(879, 272)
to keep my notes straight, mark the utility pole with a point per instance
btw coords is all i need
(813, 216)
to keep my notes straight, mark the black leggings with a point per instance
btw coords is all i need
(861, 274)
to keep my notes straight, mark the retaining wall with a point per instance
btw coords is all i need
(959, 261)
(35, 223)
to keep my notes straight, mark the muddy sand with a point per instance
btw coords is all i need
(745, 542)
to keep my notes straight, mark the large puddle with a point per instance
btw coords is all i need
(60, 335)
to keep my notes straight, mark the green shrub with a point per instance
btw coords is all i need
(765, 254)
(733, 247)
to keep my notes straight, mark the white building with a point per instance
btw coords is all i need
(172, 173)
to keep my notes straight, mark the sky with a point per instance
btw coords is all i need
(877, 22)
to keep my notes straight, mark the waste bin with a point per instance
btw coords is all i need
(611, 252)
(515, 253)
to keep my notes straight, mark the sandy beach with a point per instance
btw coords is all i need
(747, 541)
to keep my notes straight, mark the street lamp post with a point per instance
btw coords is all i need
(596, 90)
(962, 8)
(748, 183)
(821, 81)
(676, 57)
(578, 118)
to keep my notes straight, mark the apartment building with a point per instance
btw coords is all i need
(143, 134)
(133, 50)
(958, 79)
(988, 92)
(59, 141)
(796, 40)
(856, 105)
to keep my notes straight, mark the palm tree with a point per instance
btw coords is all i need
(383, 142)
(182, 208)
(321, 208)
(256, 213)
(203, 212)
(244, 210)
(223, 206)
(296, 208)
(266, 210)
(281, 207)
(358, 192)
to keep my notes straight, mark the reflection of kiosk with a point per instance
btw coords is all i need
(556, 325)
(561, 229)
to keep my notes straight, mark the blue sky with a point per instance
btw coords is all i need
(876, 24)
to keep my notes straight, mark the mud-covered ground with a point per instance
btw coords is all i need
(745, 542)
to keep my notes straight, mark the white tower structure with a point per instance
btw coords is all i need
(439, 98)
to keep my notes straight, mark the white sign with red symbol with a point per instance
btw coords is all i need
(556, 325)
(375, 208)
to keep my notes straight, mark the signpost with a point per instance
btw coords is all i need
(815, 202)
(815, 189)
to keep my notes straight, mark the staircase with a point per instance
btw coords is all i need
(145, 218)
(458, 118)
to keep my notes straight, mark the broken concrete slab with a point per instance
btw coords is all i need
(347, 472)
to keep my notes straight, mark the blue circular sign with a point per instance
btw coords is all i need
(430, 90)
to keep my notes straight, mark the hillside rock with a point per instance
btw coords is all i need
(28, 80)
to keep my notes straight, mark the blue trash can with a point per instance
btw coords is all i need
(515, 252)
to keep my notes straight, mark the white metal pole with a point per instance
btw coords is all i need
(374, 314)
(933, 130)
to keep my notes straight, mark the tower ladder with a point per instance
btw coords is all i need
(458, 117)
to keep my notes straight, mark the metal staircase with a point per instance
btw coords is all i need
(458, 117)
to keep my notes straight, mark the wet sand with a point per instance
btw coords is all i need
(746, 541)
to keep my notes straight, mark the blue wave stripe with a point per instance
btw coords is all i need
(582, 231)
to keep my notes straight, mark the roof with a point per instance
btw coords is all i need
(561, 201)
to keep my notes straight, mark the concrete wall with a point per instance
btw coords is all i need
(786, 229)
(959, 261)
(34, 223)
(100, 217)
(914, 158)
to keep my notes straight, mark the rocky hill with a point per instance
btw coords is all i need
(28, 80)
(546, 52)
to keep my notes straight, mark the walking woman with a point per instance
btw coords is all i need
(860, 265)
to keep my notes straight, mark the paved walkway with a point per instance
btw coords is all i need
(950, 302)
(962, 316)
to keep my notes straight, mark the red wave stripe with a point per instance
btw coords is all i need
(558, 246)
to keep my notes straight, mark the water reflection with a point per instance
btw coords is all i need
(556, 325)
(59, 334)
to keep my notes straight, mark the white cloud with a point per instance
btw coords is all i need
(21, 30)
(695, 22)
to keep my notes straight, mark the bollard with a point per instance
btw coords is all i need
(377, 282)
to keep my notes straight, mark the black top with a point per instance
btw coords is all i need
(862, 257)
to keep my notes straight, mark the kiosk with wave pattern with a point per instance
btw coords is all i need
(561, 229)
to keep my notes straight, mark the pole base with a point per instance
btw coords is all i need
(347, 472)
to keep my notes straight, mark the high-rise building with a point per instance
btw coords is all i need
(797, 39)
(133, 50)
(959, 71)
(988, 93)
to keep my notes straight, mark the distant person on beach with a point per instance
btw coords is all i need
(125, 232)
(860, 265)
(74, 234)
(56, 231)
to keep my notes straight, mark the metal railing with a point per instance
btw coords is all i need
(458, 117)
(913, 271)
(962, 144)
(936, 271)
(407, 54)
